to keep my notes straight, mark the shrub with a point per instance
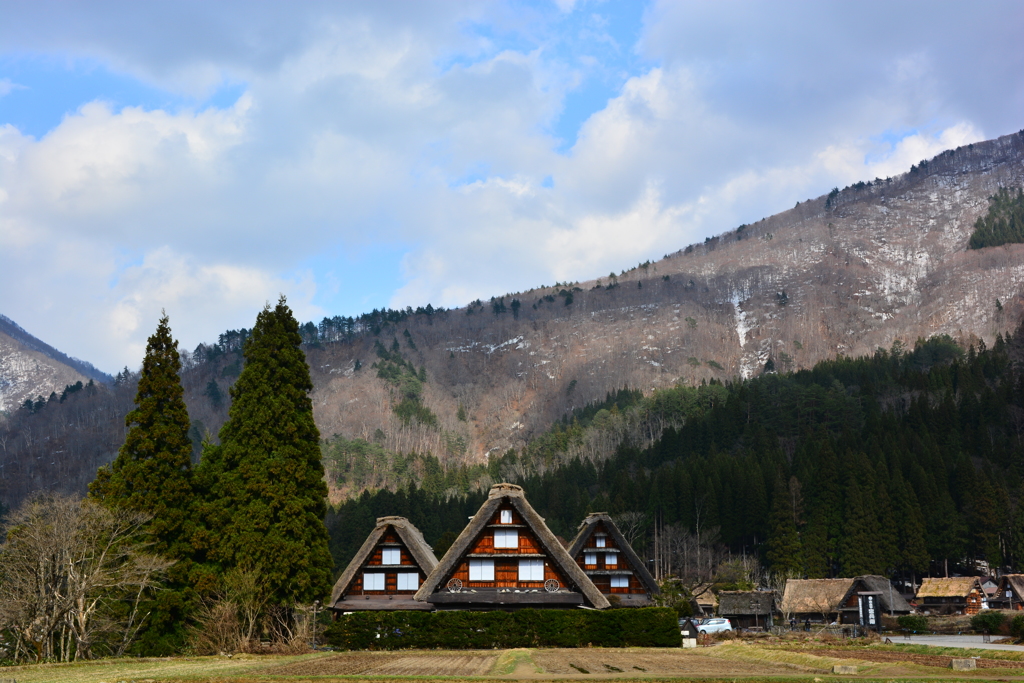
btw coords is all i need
(913, 622)
(1017, 627)
(987, 621)
(454, 630)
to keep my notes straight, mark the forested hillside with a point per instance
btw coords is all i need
(906, 461)
(436, 396)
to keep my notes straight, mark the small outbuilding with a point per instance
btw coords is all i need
(956, 595)
(1010, 593)
(387, 570)
(689, 631)
(857, 609)
(747, 609)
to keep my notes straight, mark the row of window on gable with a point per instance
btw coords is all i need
(610, 559)
(407, 581)
(529, 570)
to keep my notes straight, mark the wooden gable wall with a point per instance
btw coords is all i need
(506, 560)
(375, 563)
(601, 573)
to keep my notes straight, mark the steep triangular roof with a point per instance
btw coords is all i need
(890, 598)
(411, 537)
(1015, 582)
(555, 551)
(587, 528)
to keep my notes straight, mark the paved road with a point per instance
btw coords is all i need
(957, 641)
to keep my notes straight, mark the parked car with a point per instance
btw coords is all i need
(715, 626)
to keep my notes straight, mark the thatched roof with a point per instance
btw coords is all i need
(890, 598)
(955, 587)
(814, 596)
(587, 528)
(746, 603)
(499, 494)
(411, 537)
(1014, 582)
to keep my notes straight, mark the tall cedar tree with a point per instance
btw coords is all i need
(153, 469)
(153, 474)
(266, 496)
(783, 542)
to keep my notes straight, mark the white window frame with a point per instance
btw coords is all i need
(391, 556)
(599, 540)
(374, 581)
(506, 516)
(531, 570)
(408, 581)
(620, 581)
(611, 560)
(590, 558)
(481, 570)
(506, 538)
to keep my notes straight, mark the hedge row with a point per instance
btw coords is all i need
(455, 630)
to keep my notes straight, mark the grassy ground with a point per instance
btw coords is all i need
(751, 660)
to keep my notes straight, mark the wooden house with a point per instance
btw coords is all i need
(817, 601)
(387, 571)
(507, 558)
(604, 555)
(957, 595)
(705, 601)
(1010, 593)
(887, 600)
(747, 609)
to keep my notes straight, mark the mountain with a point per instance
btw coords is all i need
(30, 368)
(877, 264)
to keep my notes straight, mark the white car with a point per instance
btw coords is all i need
(715, 626)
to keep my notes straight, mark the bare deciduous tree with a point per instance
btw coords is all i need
(64, 563)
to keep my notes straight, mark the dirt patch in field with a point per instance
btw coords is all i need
(641, 662)
(389, 664)
(911, 658)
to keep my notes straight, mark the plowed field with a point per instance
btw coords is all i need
(390, 664)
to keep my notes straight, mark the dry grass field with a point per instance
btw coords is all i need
(811, 661)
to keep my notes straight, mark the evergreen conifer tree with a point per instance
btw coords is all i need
(153, 469)
(783, 540)
(153, 474)
(265, 493)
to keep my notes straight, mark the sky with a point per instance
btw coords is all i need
(203, 158)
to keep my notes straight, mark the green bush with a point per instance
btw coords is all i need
(988, 621)
(1017, 627)
(455, 630)
(913, 622)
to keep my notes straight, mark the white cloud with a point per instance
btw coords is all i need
(401, 124)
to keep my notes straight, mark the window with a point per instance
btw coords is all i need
(506, 538)
(611, 559)
(408, 581)
(391, 556)
(481, 570)
(373, 581)
(620, 582)
(589, 558)
(506, 516)
(531, 570)
(599, 540)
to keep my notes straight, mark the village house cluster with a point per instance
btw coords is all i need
(507, 558)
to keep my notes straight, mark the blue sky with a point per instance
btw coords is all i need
(204, 157)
